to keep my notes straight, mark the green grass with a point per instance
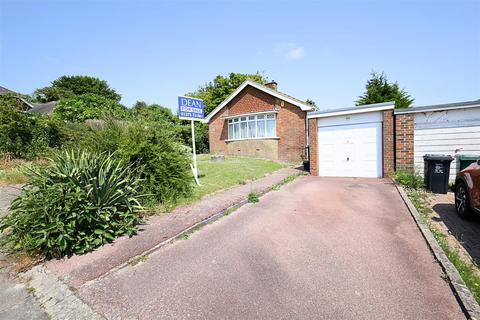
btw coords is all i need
(468, 270)
(217, 176)
(14, 171)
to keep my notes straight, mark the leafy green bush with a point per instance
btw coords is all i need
(88, 106)
(81, 201)
(25, 135)
(408, 179)
(154, 148)
(163, 161)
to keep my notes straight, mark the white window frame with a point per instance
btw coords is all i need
(247, 118)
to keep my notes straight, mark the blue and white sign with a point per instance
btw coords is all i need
(190, 108)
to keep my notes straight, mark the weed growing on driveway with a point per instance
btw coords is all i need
(137, 260)
(185, 236)
(285, 181)
(253, 197)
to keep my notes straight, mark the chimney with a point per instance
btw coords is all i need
(272, 85)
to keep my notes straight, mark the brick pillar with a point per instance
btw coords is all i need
(388, 143)
(313, 143)
(404, 126)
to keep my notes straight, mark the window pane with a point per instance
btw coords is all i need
(243, 119)
(229, 120)
(252, 129)
(236, 131)
(230, 131)
(260, 116)
(244, 132)
(235, 120)
(260, 128)
(271, 128)
(270, 116)
(251, 118)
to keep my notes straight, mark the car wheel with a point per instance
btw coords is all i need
(462, 203)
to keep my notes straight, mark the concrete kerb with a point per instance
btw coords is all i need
(186, 232)
(463, 295)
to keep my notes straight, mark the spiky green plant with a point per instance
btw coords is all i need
(81, 201)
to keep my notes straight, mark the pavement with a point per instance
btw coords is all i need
(16, 302)
(77, 270)
(319, 248)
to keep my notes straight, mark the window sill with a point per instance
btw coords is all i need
(263, 138)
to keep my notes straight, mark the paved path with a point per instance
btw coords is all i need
(78, 270)
(316, 249)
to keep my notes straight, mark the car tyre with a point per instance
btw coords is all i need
(462, 201)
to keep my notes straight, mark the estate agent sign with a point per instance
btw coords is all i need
(191, 109)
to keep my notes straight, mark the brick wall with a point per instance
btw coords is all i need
(250, 100)
(218, 133)
(404, 127)
(292, 133)
(388, 143)
(313, 142)
(290, 123)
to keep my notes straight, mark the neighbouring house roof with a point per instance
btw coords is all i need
(31, 106)
(440, 107)
(299, 103)
(352, 110)
(42, 107)
(4, 90)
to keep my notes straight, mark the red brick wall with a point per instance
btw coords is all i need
(388, 143)
(218, 133)
(404, 127)
(290, 122)
(313, 142)
(250, 100)
(292, 133)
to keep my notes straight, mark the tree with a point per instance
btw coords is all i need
(152, 112)
(69, 86)
(213, 93)
(88, 106)
(312, 103)
(378, 89)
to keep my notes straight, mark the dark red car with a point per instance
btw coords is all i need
(467, 190)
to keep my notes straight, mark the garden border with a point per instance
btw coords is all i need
(463, 295)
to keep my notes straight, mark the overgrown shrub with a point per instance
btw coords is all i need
(25, 135)
(164, 162)
(81, 201)
(154, 148)
(408, 179)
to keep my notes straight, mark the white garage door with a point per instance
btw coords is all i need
(350, 146)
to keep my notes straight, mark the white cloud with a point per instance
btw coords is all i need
(290, 51)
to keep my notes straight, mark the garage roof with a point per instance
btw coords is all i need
(352, 110)
(299, 103)
(441, 107)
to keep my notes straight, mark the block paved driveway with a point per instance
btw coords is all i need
(317, 249)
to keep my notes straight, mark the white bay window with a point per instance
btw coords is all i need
(253, 126)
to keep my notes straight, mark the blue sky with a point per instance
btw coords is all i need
(325, 51)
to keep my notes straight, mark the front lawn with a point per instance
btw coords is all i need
(216, 176)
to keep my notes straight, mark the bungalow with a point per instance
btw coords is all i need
(27, 106)
(259, 121)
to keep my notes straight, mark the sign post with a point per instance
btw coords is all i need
(191, 109)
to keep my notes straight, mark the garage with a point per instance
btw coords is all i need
(349, 142)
